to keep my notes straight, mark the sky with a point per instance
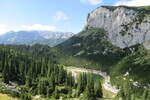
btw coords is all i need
(52, 15)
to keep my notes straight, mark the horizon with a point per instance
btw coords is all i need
(45, 15)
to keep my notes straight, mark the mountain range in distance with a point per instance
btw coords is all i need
(33, 37)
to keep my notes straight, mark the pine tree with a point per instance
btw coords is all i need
(70, 92)
(39, 88)
(55, 94)
(52, 81)
(6, 76)
(145, 94)
(61, 75)
(127, 90)
(48, 92)
(98, 89)
(89, 93)
(121, 93)
(28, 81)
(49, 70)
(69, 79)
(79, 85)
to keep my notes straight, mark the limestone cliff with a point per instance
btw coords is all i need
(126, 26)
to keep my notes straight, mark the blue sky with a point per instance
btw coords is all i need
(55, 15)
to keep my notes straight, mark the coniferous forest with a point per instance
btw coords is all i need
(37, 72)
(48, 53)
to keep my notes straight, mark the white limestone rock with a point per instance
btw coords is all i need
(114, 21)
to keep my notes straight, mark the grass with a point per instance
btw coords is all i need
(43, 99)
(6, 97)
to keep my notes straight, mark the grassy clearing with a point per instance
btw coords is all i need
(6, 97)
(44, 99)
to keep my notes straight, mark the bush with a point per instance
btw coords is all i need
(26, 96)
(14, 94)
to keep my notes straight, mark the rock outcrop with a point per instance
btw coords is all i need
(126, 26)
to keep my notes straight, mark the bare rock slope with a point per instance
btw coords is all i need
(126, 26)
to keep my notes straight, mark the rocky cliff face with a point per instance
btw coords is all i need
(126, 26)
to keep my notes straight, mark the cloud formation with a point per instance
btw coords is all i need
(6, 28)
(92, 2)
(59, 15)
(38, 27)
(133, 2)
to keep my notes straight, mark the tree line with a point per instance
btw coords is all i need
(37, 72)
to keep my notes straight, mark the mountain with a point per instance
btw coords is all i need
(126, 26)
(33, 37)
(114, 40)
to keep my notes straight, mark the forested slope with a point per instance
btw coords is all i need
(35, 71)
(127, 67)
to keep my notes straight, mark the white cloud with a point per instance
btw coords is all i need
(92, 2)
(133, 2)
(38, 27)
(3, 28)
(59, 15)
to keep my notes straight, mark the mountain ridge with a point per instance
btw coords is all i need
(126, 26)
(32, 37)
(125, 57)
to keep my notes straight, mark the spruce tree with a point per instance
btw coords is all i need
(55, 94)
(52, 81)
(48, 92)
(98, 89)
(145, 95)
(79, 85)
(6, 76)
(61, 75)
(89, 93)
(28, 81)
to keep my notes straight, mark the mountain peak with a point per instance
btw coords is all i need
(33, 37)
(126, 26)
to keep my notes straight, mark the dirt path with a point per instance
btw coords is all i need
(106, 85)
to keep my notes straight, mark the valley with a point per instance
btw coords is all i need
(108, 60)
(106, 84)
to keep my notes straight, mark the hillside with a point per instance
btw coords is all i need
(114, 40)
(113, 44)
(28, 72)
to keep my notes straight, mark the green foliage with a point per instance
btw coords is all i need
(146, 95)
(38, 74)
(136, 64)
(82, 82)
(94, 48)
(98, 89)
(55, 94)
(26, 96)
(14, 94)
(70, 80)
(52, 82)
(50, 42)
(79, 51)
(89, 92)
